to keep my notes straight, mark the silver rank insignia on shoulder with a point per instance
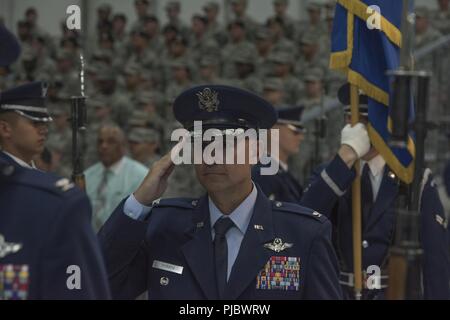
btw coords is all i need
(443, 222)
(64, 184)
(208, 100)
(7, 248)
(277, 245)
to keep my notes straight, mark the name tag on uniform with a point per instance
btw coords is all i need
(167, 267)
(280, 273)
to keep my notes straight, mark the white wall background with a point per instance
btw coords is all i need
(52, 12)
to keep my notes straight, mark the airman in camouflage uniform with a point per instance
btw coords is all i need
(289, 24)
(239, 9)
(440, 18)
(282, 67)
(238, 43)
(144, 145)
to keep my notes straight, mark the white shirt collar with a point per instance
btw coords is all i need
(376, 165)
(116, 167)
(240, 216)
(20, 162)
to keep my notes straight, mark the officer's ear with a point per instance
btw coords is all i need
(7, 121)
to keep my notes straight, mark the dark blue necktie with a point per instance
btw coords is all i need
(221, 228)
(366, 193)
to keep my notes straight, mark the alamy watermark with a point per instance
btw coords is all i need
(229, 146)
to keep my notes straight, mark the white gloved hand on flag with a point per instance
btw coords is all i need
(357, 138)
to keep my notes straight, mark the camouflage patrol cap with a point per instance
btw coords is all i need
(208, 61)
(146, 97)
(286, 2)
(308, 39)
(422, 12)
(211, 6)
(281, 57)
(173, 5)
(262, 34)
(244, 2)
(96, 102)
(28, 53)
(132, 69)
(273, 83)
(244, 57)
(314, 5)
(313, 74)
(65, 55)
(143, 135)
(106, 73)
(139, 118)
(104, 7)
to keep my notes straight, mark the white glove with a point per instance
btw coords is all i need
(357, 138)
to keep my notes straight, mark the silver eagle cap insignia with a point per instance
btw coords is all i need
(208, 100)
(277, 245)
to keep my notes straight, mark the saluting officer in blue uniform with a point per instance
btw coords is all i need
(233, 243)
(329, 193)
(47, 247)
(283, 186)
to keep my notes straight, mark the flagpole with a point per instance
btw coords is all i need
(356, 203)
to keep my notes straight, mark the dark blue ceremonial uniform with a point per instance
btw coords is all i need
(447, 178)
(178, 233)
(45, 228)
(282, 186)
(284, 252)
(379, 224)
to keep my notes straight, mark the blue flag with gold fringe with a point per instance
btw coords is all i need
(365, 44)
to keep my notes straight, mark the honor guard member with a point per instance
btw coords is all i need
(329, 192)
(233, 243)
(24, 122)
(283, 186)
(47, 247)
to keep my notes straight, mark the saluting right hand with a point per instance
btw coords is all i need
(156, 181)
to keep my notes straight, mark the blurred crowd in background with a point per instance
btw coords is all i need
(135, 69)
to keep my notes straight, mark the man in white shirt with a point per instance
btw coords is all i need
(114, 177)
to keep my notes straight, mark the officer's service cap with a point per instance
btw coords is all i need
(142, 135)
(292, 116)
(28, 100)
(10, 47)
(223, 107)
(344, 98)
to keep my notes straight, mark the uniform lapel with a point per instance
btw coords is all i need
(386, 195)
(252, 255)
(198, 251)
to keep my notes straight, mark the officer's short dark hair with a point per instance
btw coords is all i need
(201, 18)
(30, 10)
(238, 23)
(170, 28)
(277, 20)
(120, 16)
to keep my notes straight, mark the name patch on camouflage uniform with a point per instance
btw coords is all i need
(280, 273)
(14, 281)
